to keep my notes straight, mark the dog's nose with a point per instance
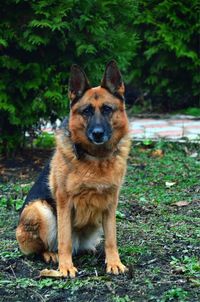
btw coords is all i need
(98, 133)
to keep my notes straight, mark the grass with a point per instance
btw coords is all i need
(158, 237)
(193, 111)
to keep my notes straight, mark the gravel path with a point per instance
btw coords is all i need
(173, 128)
(169, 128)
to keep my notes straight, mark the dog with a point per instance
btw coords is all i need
(75, 197)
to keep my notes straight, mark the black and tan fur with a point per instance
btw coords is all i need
(77, 195)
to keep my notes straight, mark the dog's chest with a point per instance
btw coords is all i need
(96, 177)
(89, 204)
(92, 188)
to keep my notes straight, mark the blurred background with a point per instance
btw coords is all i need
(156, 44)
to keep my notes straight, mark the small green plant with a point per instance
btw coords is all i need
(12, 195)
(10, 254)
(122, 299)
(11, 202)
(175, 294)
(147, 142)
(194, 111)
(44, 140)
(72, 285)
(190, 266)
(3, 202)
(133, 249)
(119, 214)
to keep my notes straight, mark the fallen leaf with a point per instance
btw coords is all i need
(180, 203)
(169, 184)
(195, 282)
(179, 270)
(157, 153)
(50, 273)
(24, 185)
(193, 155)
(142, 149)
(186, 150)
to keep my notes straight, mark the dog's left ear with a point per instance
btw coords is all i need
(78, 83)
(112, 79)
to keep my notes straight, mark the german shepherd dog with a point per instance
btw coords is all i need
(76, 196)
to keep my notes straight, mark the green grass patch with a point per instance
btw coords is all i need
(194, 111)
(175, 294)
(190, 266)
(148, 176)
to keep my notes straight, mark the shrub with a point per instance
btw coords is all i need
(167, 65)
(39, 40)
(155, 43)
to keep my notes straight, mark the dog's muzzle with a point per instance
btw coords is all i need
(98, 136)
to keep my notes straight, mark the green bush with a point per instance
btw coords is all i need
(39, 40)
(155, 43)
(44, 140)
(167, 65)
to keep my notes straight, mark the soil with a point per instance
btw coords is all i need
(149, 238)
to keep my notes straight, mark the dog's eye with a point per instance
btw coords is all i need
(106, 110)
(88, 111)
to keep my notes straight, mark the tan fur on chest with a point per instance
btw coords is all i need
(88, 207)
(100, 175)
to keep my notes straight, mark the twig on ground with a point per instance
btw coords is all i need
(12, 271)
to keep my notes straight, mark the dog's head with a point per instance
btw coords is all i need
(97, 117)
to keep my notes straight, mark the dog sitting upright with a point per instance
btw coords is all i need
(77, 193)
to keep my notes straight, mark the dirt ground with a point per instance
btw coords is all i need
(158, 241)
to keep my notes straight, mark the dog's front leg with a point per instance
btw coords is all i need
(113, 262)
(64, 209)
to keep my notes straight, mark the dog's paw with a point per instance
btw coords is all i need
(116, 268)
(68, 271)
(50, 257)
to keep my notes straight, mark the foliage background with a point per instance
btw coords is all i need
(154, 42)
(167, 64)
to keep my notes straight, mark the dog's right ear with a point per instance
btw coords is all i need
(78, 83)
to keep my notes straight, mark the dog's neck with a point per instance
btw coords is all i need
(78, 150)
(80, 153)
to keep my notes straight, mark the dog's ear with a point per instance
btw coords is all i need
(78, 83)
(112, 80)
